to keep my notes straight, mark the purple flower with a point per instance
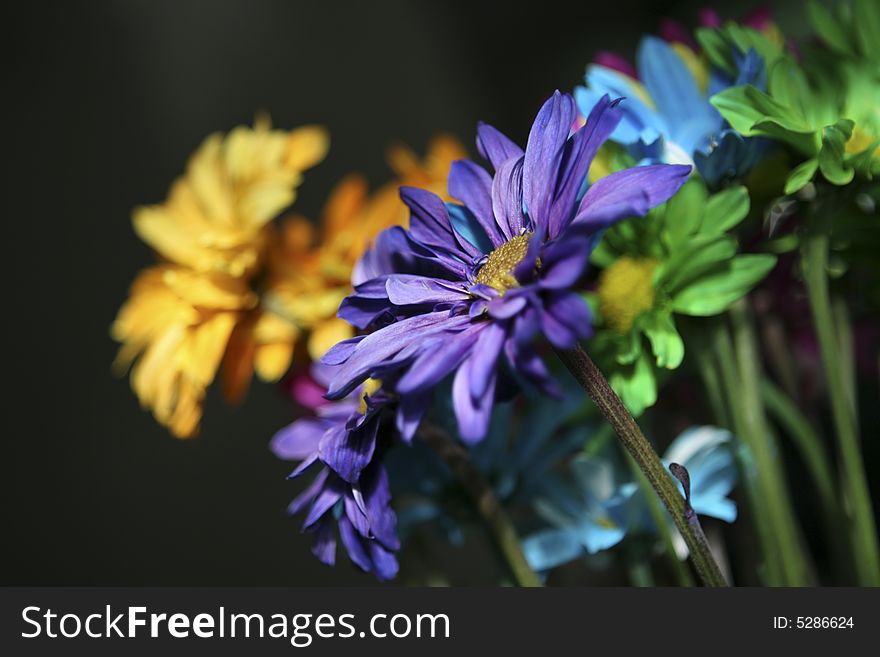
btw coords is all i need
(469, 284)
(351, 489)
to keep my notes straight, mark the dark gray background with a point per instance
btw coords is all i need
(104, 102)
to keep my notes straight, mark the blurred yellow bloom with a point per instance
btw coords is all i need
(236, 289)
(216, 216)
(212, 233)
(176, 323)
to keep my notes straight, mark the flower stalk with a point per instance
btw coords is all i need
(597, 387)
(814, 252)
(486, 503)
(765, 449)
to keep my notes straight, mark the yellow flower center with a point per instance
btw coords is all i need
(860, 141)
(626, 290)
(497, 271)
(370, 387)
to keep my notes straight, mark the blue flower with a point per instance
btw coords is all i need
(707, 453)
(468, 285)
(350, 489)
(599, 504)
(521, 456)
(668, 116)
(589, 512)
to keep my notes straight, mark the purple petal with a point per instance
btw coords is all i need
(377, 497)
(494, 146)
(324, 546)
(302, 467)
(477, 308)
(507, 306)
(436, 362)
(357, 516)
(362, 312)
(484, 358)
(429, 222)
(388, 347)
(544, 153)
(564, 262)
(628, 193)
(405, 289)
(578, 154)
(525, 326)
(484, 291)
(329, 495)
(354, 544)
(527, 362)
(341, 351)
(410, 411)
(558, 333)
(507, 197)
(385, 565)
(348, 452)
(473, 415)
(472, 185)
(570, 309)
(298, 440)
(308, 494)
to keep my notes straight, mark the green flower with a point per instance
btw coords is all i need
(826, 110)
(679, 260)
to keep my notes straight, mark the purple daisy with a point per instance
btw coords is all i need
(468, 284)
(351, 489)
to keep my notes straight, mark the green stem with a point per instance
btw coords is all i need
(661, 520)
(807, 442)
(594, 383)
(766, 451)
(753, 475)
(809, 445)
(843, 328)
(864, 532)
(495, 519)
(639, 570)
(714, 389)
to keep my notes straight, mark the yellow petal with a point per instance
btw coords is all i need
(326, 334)
(272, 360)
(306, 147)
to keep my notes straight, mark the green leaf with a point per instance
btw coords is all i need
(745, 107)
(713, 294)
(684, 212)
(866, 17)
(801, 175)
(716, 48)
(747, 38)
(635, 384)
(828, 28)
(788, 85)
(702, 254)
(666, 343)
(831, 157)
(725, 210)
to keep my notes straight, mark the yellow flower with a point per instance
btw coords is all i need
(626, 290)
(310, 270)
(216, 216)
(212, 233)
(176, 323)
